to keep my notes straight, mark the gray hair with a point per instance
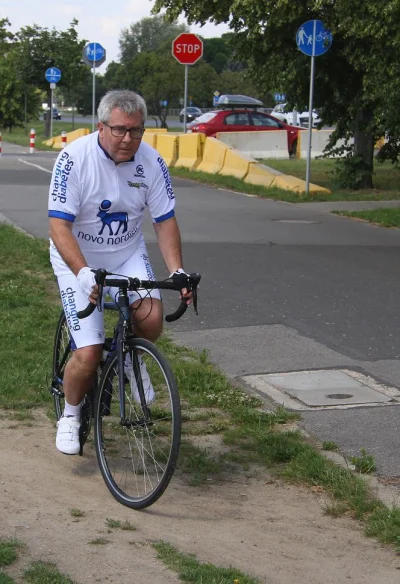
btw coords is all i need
(127, 101)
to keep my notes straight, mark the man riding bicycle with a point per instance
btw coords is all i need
(101, 185)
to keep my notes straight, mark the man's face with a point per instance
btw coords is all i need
(121, 149)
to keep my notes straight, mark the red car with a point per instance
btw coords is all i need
(242, 119)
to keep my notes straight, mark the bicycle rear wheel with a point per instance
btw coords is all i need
(137, 456)
(62, 352)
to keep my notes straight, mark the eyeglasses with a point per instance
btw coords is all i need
(120, 131)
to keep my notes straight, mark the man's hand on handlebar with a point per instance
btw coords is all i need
(87, 282)
(185, 293)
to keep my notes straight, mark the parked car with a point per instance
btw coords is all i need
(242, 115)
(281, 112)
(56, 114)
(191, 113)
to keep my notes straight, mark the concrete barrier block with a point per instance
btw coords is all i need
(236, 164)
(258, 144)
(150, 139)
(259, 175)
(71, 136)
(190, 150)
(292, 183)
(157, 130)
(213, 156)
(319, 140)
(167, 146)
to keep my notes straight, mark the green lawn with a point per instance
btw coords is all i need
(385, 217)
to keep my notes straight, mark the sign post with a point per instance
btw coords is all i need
(94, 55)
(187, 49)
(313, 40)
(53, 76)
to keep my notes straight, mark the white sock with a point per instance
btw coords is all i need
(72, 410)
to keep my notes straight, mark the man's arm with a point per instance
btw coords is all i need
(169, 242)
(66, 244)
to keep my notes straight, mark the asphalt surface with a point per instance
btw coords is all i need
(285, 288)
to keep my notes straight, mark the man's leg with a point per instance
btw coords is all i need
(79, 373)
(147, 317)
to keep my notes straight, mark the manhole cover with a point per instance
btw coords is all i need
(339, 396)
(321, 388)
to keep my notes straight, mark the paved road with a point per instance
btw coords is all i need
(285, 288)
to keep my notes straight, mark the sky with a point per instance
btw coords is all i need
(99, 21)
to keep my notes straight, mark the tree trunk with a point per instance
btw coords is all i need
(364, 148)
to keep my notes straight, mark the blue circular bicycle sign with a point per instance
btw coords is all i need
(53, 75)
(312, 39)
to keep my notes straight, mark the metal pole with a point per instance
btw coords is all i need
(51, 113)
(310, 108)
(94, 87)
(185, 97)
(25, 116)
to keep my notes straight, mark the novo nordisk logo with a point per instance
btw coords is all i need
(137, 185)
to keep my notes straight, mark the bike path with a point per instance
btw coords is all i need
(285, 287)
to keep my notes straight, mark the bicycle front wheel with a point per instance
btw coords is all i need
(137, 454)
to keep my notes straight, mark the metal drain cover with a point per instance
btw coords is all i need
(321, 388)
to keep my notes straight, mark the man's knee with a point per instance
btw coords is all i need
(88, 358)
(148, 318)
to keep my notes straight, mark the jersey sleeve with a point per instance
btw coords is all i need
(161, 197)
(64, 195)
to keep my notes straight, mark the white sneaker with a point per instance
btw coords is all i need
(67, 440)
(147, 385)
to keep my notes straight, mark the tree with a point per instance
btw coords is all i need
(14, 110)
(39, 48)
(147, 35)
(356, 80)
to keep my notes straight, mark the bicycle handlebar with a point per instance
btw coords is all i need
(177, 283)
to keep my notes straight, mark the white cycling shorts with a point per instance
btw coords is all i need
(90, 331)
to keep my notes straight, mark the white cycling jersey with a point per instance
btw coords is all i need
(105, 202)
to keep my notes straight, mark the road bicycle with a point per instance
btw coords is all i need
(137, 443)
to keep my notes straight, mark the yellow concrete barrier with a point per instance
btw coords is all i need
(213, 156)
(259, 175)
(292, 183)
(167, 146)
(190, 150)
(236, 164)
(150, 139)
(71, 136)
(158, 130)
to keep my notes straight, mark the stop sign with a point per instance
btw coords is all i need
(187, 48)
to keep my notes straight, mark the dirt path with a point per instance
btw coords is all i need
(276, 532)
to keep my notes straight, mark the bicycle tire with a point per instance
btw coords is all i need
(61, 354)
(137, 460)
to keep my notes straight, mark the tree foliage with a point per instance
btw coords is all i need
(147, 35)
(355, 81)
(18, 99)
(38, 48)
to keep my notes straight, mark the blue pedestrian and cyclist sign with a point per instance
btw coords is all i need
(53, 75)
(94, 52)
(312, 39)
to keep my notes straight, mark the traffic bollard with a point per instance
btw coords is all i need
(63, 139)
(32, 139)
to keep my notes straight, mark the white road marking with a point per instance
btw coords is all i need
(35, 165)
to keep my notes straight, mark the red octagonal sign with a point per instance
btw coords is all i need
(187, 48)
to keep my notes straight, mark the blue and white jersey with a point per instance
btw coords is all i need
(105, 202)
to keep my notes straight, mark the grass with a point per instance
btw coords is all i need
(384, 217)
(365, 463)
(37, 573)
(243, 433)
(43, 573)
(116, 524)
(77, 513)
(189, 569)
